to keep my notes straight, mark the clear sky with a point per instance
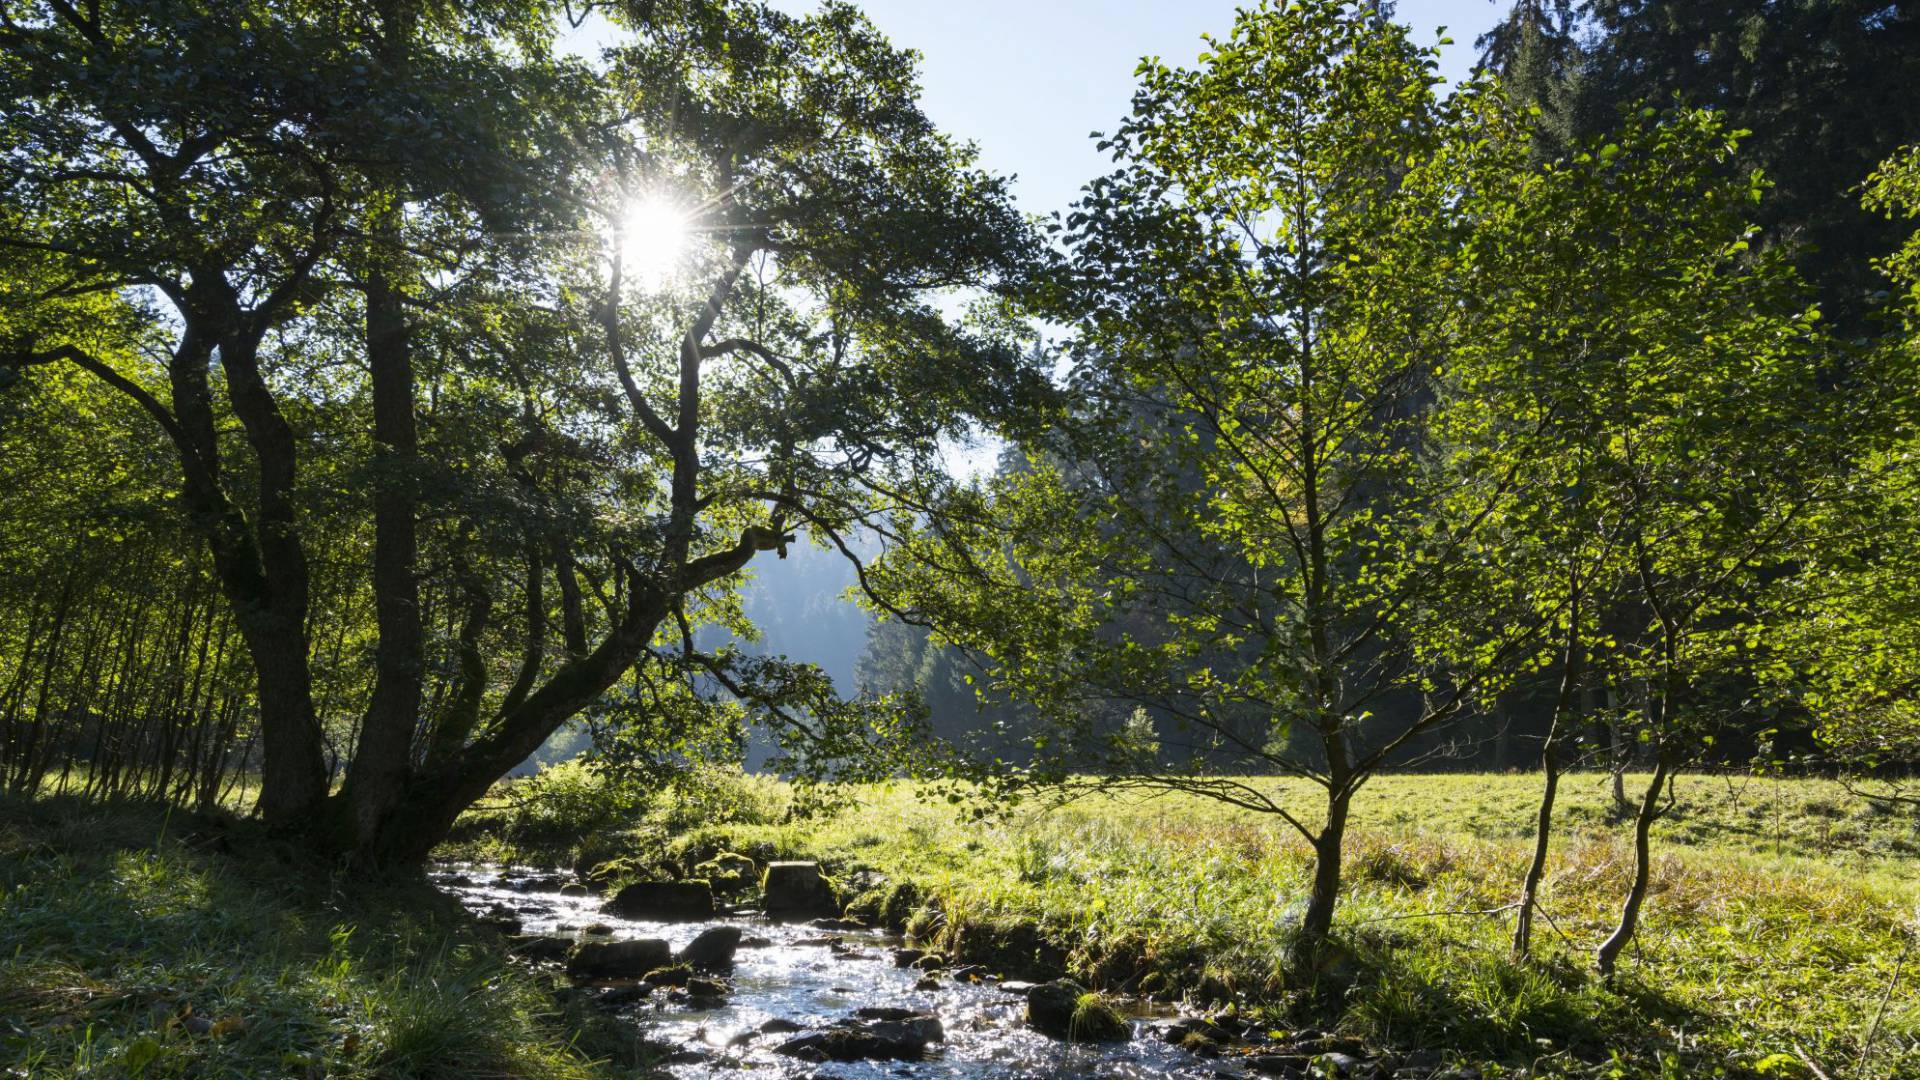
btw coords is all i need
(1027, 80)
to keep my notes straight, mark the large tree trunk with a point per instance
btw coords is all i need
(261, 564)
(410, 830)
(293, 772)
(383, 758)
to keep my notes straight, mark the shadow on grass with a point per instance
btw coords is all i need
(1408, 994)
(134, 941)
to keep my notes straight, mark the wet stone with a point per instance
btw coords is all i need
(665, 901)
(1055, 1009)
(542, 948)
(1188, 1028)
(869, 1040)
(712, 949)
(837, 924)
(1279, 1064)
(797, 890)
(629, 959)
(615, 997)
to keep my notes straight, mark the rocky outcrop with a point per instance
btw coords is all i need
(618, 959)
(797, 890)
(663, 901)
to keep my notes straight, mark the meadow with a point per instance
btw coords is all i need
(1778, 939)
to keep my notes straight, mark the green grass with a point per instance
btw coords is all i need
(1779, 909)
(133, 944)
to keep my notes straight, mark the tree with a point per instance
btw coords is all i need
(396, 189)
(1679, 446)
(1826, 89)
(1243, 552)
(1842, 630)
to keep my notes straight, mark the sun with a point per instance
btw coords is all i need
(654, 235)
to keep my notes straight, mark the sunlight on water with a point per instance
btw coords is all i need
(796, 976)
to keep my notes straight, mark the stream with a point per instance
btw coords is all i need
(790, 972)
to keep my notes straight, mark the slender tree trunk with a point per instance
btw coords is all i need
(1324, 894)
(534, 651)
(458, 720)
(1570, 664)
(63, 607)
(1608, 955)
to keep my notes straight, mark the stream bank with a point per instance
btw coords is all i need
(799, 995)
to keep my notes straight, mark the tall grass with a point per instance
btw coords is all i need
(1778, 911)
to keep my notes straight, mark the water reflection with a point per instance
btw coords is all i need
(790, 973)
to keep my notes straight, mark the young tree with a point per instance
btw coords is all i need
(1244, 542)
(1843, 629)
(1620, 323)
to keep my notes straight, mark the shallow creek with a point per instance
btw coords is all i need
(797, 977)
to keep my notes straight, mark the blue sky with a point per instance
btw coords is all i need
(1027, 80)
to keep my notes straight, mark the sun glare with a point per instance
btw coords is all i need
(654, 236)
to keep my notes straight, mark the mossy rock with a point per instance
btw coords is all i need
(1016, 948)
(729, 872)
(1066, 1010)
(795, 890)
(667, 901)
(891, 905)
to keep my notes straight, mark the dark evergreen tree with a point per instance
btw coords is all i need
(1827, 89)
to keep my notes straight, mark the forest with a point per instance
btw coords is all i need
(1444, 601)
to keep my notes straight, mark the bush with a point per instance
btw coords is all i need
(564, 804)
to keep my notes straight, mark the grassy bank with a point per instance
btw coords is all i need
(137, 943)
(1779, 912)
